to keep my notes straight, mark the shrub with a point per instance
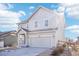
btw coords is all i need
(57, 51)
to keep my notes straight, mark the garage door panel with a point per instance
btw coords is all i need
(34, 42)
(40, 42)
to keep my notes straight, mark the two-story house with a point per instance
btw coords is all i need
(43, 29)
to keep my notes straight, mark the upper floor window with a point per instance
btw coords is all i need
(36, 23)
(46, 22)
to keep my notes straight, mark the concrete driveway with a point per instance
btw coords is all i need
(23, 52)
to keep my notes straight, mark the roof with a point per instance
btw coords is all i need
(1, 33)
(48, 10)
(54, 29)
(26, 30)
(4, 34)
(23, 29)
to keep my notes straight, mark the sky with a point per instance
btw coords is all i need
(13, 13)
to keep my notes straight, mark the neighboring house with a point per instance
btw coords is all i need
(43, 29)
(8, 38)
(1, 41)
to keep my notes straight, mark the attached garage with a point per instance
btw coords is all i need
(41, 41)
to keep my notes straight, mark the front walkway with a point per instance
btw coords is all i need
(23, 52)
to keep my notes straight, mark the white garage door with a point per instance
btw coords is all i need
(40, 42)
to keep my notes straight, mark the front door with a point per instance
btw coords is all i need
(22, 40)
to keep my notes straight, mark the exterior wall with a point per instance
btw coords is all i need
(40, 17)
(40, 33)
(61, 26)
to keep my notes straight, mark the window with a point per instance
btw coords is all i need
(36, 24)
(46, 22)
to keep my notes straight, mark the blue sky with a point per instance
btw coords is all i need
(10, 14)
(30, 8)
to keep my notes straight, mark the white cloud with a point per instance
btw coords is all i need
(22, 12)
(61, 9)
(8, 19)
(73, 29)
(68, 4)
(3, 6)
(8, 13)
(10, 6)
(73, 11)
(31, 7)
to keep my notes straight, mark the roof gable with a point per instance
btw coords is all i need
(22, 29)
(40, 7)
